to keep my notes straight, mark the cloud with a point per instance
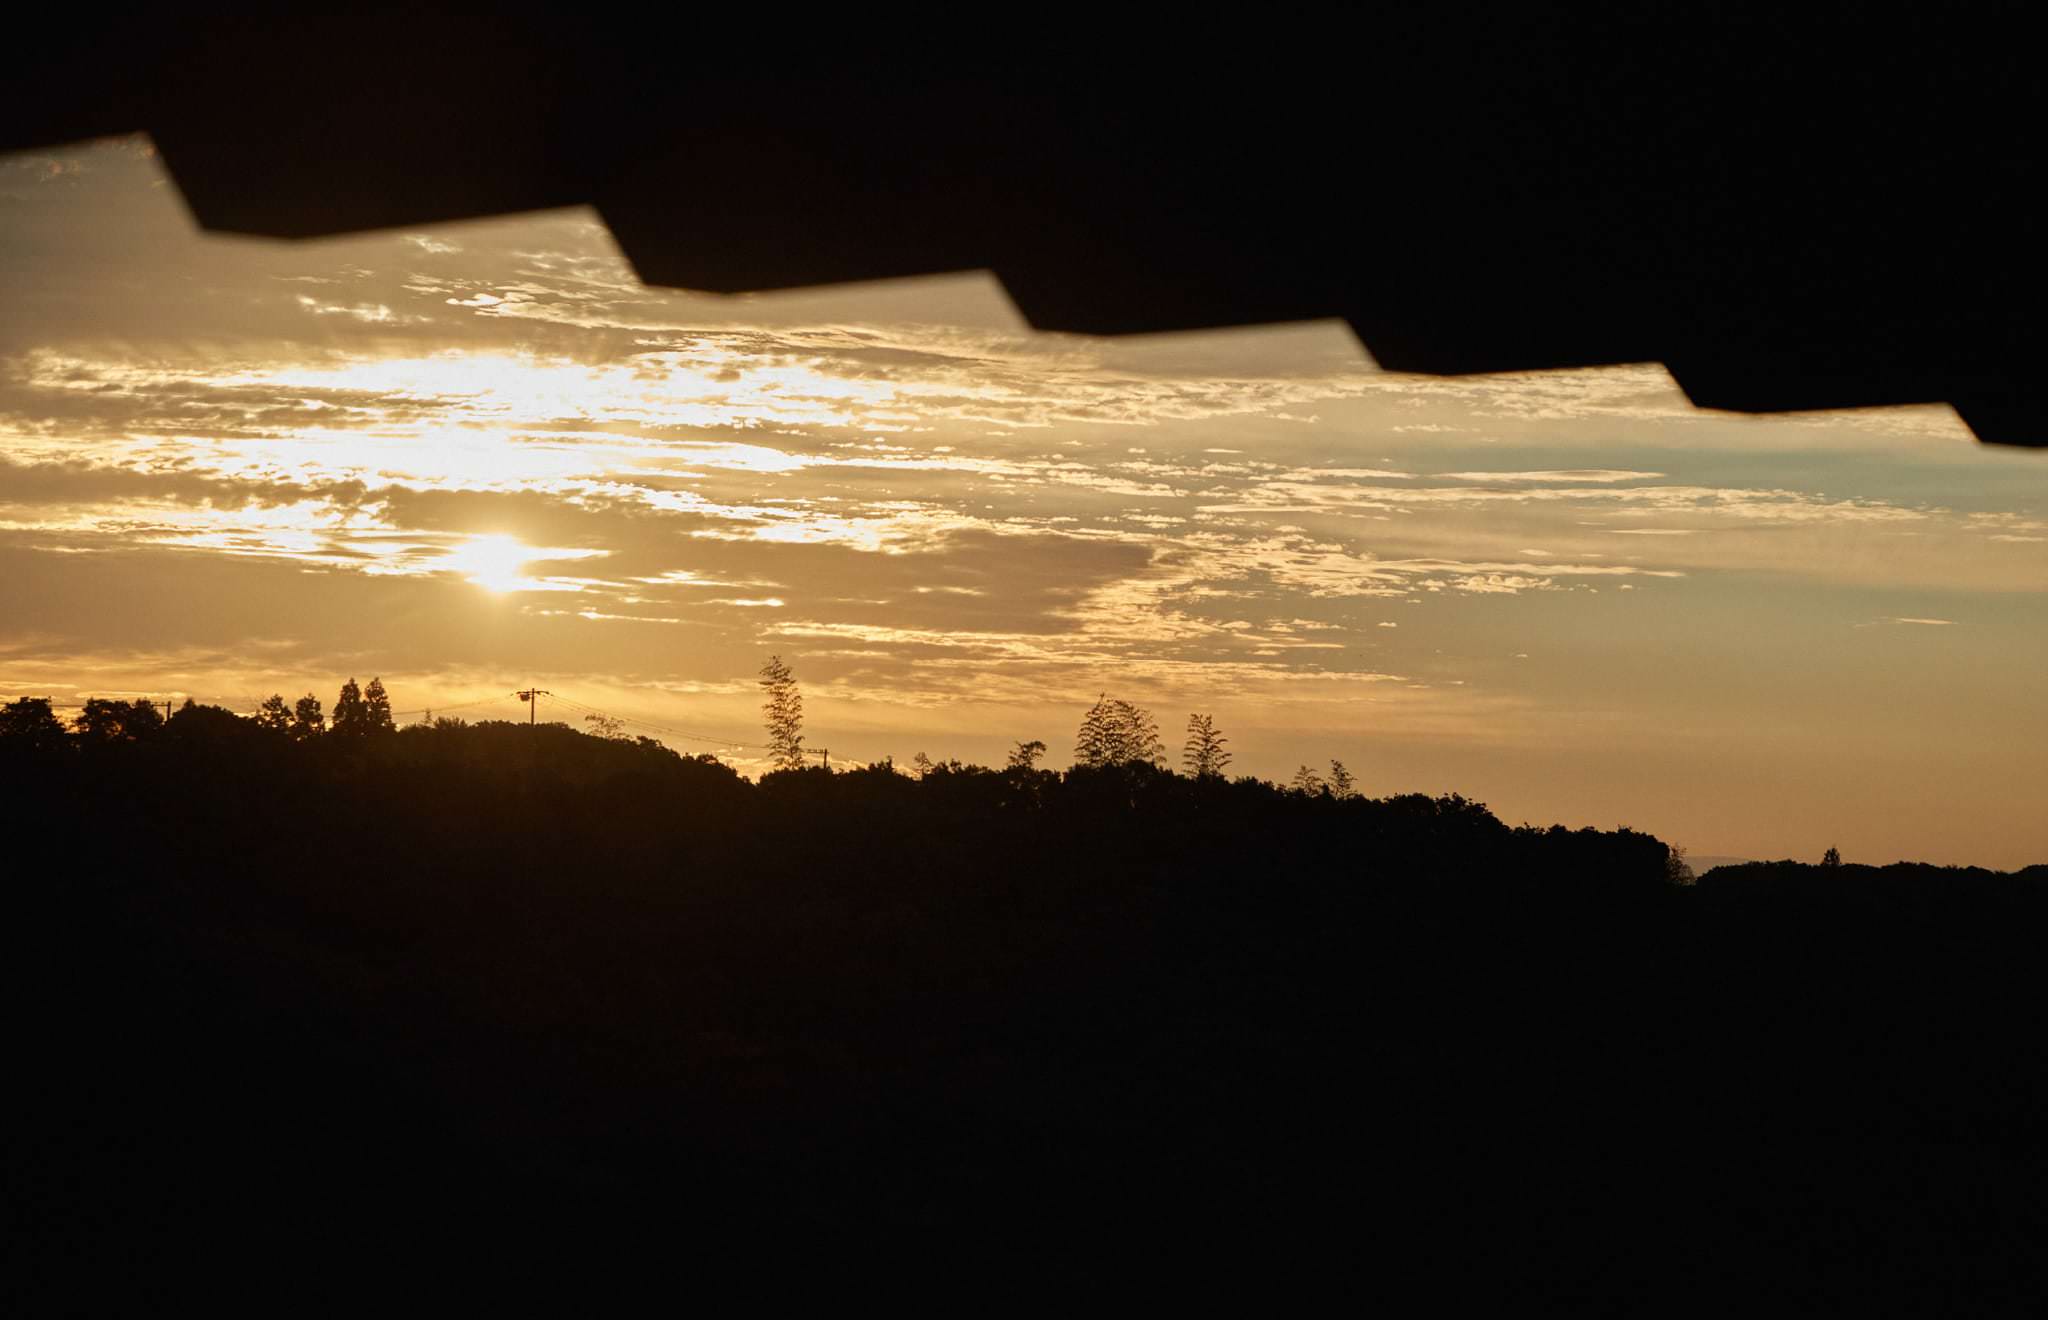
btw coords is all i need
(240, 461)
(1565, 477)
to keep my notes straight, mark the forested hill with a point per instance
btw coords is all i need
(212, 789)
(529, 988)
(1901, 884)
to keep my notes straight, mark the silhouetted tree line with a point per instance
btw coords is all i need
(472, 979)
(32, 723)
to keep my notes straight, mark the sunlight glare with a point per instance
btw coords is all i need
(497, 563)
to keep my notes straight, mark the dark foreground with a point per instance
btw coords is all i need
(501, 1006)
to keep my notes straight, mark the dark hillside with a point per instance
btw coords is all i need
(508, 986)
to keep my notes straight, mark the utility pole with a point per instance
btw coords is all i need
(532, 696)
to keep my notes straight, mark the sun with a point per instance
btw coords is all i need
(497, 563)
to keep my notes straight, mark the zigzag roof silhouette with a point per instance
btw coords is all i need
(1799, 213)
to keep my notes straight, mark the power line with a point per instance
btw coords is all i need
(461, 705)
(531, 696)
(684, 733)
(664, 728)
(585, 707)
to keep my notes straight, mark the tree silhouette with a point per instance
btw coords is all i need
(274, 715)
(920, 765)
(351, 714)
(1024, 756)
(377, 708)
(1306, 781)
(307, 721)
(215, 727)
(104, 720)
(1203, 756)
(30, 724)
(1831, 858)
(1115, 732)
(783, 712)
(99, 721)
(1340, 780)
(609, 727)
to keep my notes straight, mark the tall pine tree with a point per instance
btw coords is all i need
(351, 714)
(1203, 756)
(377, 708)
(782, 710)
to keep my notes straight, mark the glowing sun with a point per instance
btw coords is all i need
(497, 563)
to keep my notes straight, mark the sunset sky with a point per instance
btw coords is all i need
(478, 456)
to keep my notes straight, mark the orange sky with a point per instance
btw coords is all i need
(478, 456)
